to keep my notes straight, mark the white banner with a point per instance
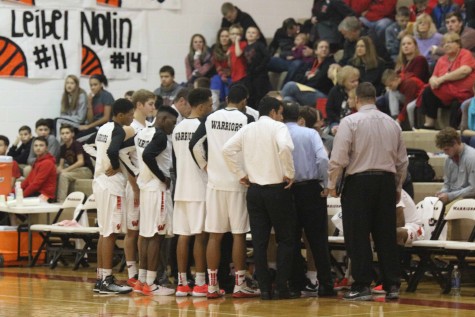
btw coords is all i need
(39, 43)
(142, 4)
(114, 43)
(54, 4)
(126, 4)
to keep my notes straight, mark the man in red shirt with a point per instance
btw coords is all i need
(42, 179)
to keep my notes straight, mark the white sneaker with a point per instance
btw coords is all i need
(243, 291)
(158, 290)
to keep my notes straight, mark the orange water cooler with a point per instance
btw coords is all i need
(5, 175)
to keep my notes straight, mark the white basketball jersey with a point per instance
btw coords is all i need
(191, 180)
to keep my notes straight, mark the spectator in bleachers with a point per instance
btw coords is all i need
(198, 60)
(459, 169)
(351, 30)
(233, 15)
(419, 7)
(454, 23)
(401, 90)
(337, 105)
(316, 83)
(426, 36)
(300, 45)
(169, 88)
(43, 130)
(410, 60)
(451, 80)
(327, 15)
(281, 48)
(99, 105)
(221, 81)
(440, 11)
(378, 15)
(41, 181)
(257, 58)
(74, 163)
(235, 53)
(20, 150)
(366, 59)
(73, 105)
(396, 31)
(467, 125)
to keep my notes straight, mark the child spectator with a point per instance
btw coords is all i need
(169, 88)
(220, 82)
(42, 179)
(4, 143)
(257, 58)
(403, 89)
(237, 61)
(198, 60)
(73, 163)
(73, 105)
(42, 130)
(20, 149)
(396, 31)
(300, 45)
(99, 104)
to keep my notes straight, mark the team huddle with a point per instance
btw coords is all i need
(135, 163)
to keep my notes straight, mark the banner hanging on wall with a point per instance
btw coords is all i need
(93, 4)
(142, 4)
(114, 43)
(39, 43)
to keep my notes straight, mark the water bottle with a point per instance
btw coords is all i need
(19, 194)
(455, 290)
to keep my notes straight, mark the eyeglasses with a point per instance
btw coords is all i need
(234, 33)
(450, 42)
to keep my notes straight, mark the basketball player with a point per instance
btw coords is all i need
(226, 209)
(190, 195)
(109, 189)
(155, 160)
(144, 103)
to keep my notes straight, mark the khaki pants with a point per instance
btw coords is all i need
(66, 179)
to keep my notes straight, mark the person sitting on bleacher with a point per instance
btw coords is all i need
(74, 163)
(459, 169)
(451, 80)
(41, 181)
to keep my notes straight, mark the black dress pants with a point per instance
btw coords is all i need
(312, 216)
(369, 208)
(272, 206)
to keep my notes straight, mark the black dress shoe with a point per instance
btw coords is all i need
(266, 295)
(393, 292)
(286, 294)
(326, 291)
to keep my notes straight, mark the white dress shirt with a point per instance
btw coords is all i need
(266, 148)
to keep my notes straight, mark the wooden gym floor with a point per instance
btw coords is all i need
(41, 291)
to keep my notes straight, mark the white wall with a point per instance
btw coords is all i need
(23, 101)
